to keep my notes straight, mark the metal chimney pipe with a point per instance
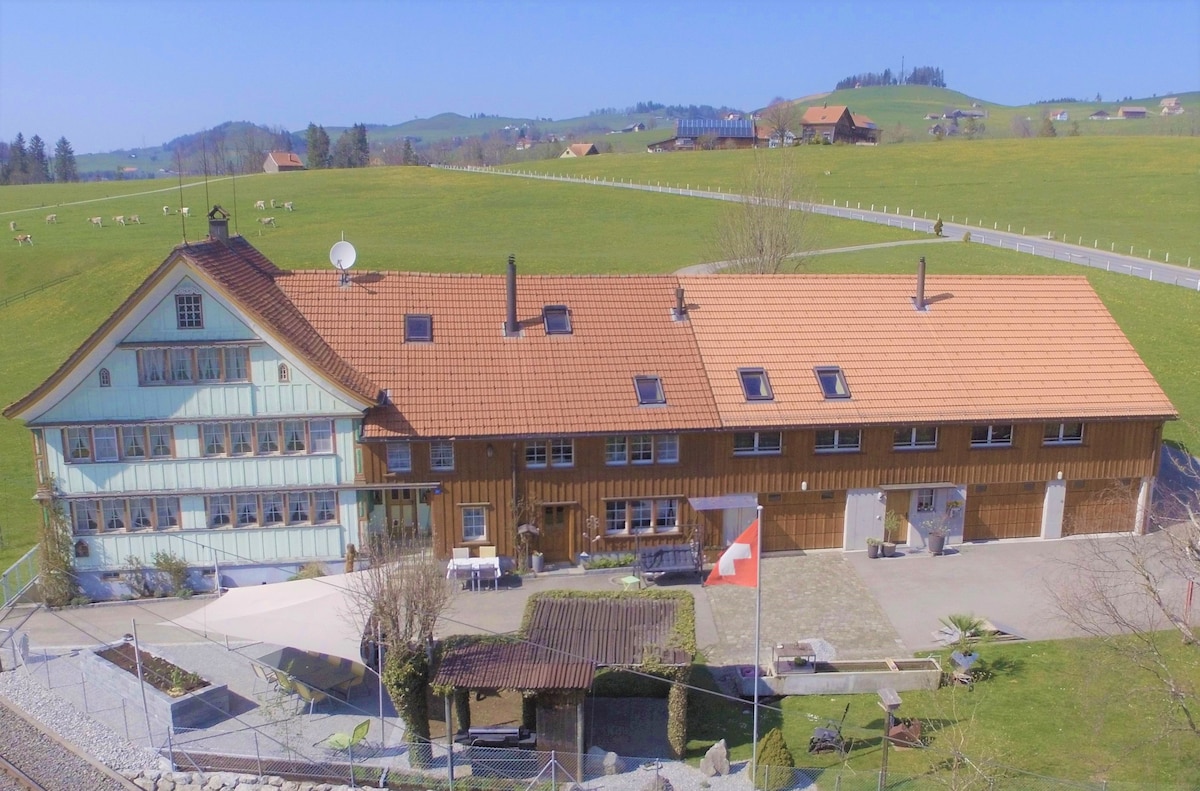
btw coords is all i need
(680, 305)
(920, 298)
(510, 326)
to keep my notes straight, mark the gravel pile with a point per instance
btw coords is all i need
(225, 781)
(45, 760)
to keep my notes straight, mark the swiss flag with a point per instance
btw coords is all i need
(738, 565)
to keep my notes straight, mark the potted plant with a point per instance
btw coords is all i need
(935, 533)
(873, 545)
(965, 632)
(537, 562)
(893, 523)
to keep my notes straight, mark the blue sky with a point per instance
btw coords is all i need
(111, 75)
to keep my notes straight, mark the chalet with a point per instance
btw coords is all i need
(579, 150)
(1171, 106)
(692, 134)
(282, 161)
(1131, 112)
(249, 418)
(865, 130)
(834, 124)
(1059, 115)
(1099, 115)
(635, 127)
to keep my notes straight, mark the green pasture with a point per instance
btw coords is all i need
(1064, 709)
(1107, 192)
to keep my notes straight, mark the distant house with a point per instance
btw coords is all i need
(1059, 115)
(1132, 112)
(638, 127)
(1171, 106)
(733, 116)
(580, 150)
(1099, 115)
(282, 161)
(836, 124)
(693, 133)
(770, 135)
(865, 130)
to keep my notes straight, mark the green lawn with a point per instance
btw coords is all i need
(1063, 709)
(1140, 191)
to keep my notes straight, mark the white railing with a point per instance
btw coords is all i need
(18, 579)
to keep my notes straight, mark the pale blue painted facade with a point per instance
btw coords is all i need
(192, 476)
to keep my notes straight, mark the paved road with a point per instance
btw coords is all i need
(1059, 250)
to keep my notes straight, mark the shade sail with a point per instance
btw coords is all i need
(314, 615)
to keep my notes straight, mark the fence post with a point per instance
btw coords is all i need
(124, 718)
(258, 757)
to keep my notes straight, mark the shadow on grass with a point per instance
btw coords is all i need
(713, 715)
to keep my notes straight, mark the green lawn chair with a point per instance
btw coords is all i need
(348, 741)
(344, 688)
(307, 693)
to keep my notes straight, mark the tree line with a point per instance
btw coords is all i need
(920, 75)
(22, 163)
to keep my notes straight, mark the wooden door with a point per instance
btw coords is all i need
(897, 503)
(1100, 507)
(805, 520)
(1004, 510)
(556, 541)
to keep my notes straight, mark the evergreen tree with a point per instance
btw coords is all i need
(361, 148)
(343, 151)
(318, 147)
(16, 171)
(1047, 129)
(408, 156)
(39, 166)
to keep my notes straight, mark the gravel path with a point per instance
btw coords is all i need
(45, 760)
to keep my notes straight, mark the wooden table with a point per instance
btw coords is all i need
(474, 570)
(315, 671)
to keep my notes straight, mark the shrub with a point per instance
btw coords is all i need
(609, 561)
(136, 578)
(774, 761)
(967, 236)
(937, 227)
(174, 571)
(309, 571)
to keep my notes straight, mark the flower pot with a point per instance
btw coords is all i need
(937, 543)
(538, 562)
(889, 549)
(872, 550)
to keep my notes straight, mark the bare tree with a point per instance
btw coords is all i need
(401, 592)
(783, 118)
(765, 232)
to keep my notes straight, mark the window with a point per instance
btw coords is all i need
(320, 435)
(614, 516)
(293, 436)
(152, 366)
(79, 444)
(326, 507)
(991, 436)
(616, 450)
(141, 513)
(844, 439)
(212, 436)
(755, 384)
(208, 364)
(666, 515)
(925, 501)
(268, 438)
(189, 314)
(641, 516)
(218, 510)
(285, 373)
(399, 457)
(910, 437)
(1063, 434)
(272, 508)
(562, 452)
(160, 442)
(241, 439)
(166, 511)
(297, 508)
(418, 327)
(441, 455)
(181, 366)
(641, 449)
(649, 390)
(757, 443)
(247, 510)
(535, 454)
(105, 439)
(666, 448)
(237, 364)
(105, 378)
(557, 319)
(474, 522)
(85, 516)
(833, 382)
(133, 442)
(114, 514)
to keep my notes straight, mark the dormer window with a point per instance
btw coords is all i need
(649, 390)
(833, 382)
(755, 384)
(418, 327)
(189, 312)
(557, 319)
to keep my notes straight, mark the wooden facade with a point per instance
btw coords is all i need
(803, 492)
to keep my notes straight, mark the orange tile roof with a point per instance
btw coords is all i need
(582, 149)
(473, 381)
(823, 115)
(988, 348)
(286, 159)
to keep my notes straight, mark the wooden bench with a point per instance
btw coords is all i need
(672, 559)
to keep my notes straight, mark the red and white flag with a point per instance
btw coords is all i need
(738, 565)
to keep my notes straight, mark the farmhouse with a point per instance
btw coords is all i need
(1171, 106)
(282, 161)
(247, 417)
(1131, 112)
(1099, 115)
(692, 134)
(1059, 115)
(836, 124)
(579, 150)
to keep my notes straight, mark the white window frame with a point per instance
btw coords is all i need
(274, 509)
(616, 450)
(399, 456)
(666, 448)
(1056, 434)
(562, 452)
(474, 518)
(641, 448)
(295, 437)
(114, 516)
(213, 431)
(106, 444)
(536, 456)
(845, 440)
(85, 517)
(441, 455)
(325, 506)
(245, 505)
(758, 448)
(906, 438)
(262, 443)
(166, 513)
(218, 509)
(206, 357)
(78, 448)
(320, 436)
(926, 501)
(299, 508)
(641, 516)
(241, 433)
(991, 441)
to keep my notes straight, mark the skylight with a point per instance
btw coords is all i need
(755, 384)
(558, 319)
(418, 327)
(833, 382)
(649, 390)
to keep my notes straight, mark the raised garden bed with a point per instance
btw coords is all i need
(173, 695)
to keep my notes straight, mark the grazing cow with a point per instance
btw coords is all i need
(184, 211)
(268, 221)
(119, 219)
(272, 203)
(288, 206)
(12, 225)
(133, 218)
(21, 239)
(166, 210)
(260, 205)
(96, 221)
(51, 219)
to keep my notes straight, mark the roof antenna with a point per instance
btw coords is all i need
(179, 173)
(233, 179)
(204, 159)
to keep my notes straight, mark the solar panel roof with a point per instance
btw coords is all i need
(698, 127)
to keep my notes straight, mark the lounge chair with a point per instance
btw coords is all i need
(307, 693)
(344, 688)
(348, 741)
(266, 676)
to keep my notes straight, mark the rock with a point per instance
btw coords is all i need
(291, 785)
(658, 783)
(613, 764)
(215, 783)
(165, 784)
(273, 781)
(189, 787)
(152, 775)
(246, 787)
(716, 760)
(144, 784)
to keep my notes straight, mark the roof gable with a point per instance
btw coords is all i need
(831, 114)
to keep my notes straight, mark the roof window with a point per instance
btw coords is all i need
(557, 319)
(649, 390)
(755, 384)
(418, 327)
(833, 382)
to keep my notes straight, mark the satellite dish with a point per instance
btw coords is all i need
(342, 255)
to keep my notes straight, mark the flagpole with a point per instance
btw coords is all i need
(757, 624)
